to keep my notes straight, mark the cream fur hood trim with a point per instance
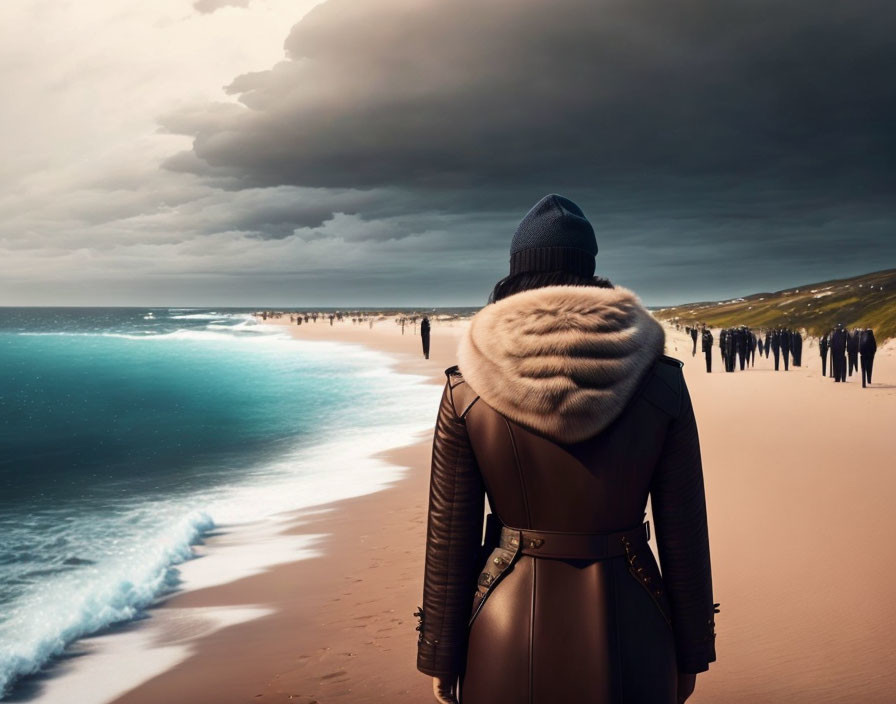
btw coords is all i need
(561, 360)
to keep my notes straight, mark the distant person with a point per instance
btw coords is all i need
(867, 348)
(776, 346)
(740, 340)
(733, 337)
(694, 338)
(424, 335)
(730, 350)
(852, 350)
(707, 348)
(785, 348)
(796, 343)
(838, 352)
(768, 338)
(823, 351)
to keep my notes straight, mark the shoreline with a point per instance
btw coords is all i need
(339, 625)
(311, 646)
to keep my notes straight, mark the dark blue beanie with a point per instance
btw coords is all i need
(554, 236)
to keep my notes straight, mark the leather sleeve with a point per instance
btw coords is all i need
(453, 539)
(679, 512)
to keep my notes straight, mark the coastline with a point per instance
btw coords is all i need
(339, 625)
(805, 613)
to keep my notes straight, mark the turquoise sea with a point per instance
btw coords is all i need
(126, 435)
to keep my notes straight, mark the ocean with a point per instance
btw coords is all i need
(127, 435)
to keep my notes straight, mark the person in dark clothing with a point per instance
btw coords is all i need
(753, 344)
(852, 350)
(564, 601)
(733, 341)
(694, 338)
(867, 348)
(768, 339)
(424, 335)
(730, 351)
(776, 346)
(796, 343)
(838, 353)
(785, 348)
(740, 341)
(707, 348)
(823, 350)
(759, 345)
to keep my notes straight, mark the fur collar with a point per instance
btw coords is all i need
(561, 360)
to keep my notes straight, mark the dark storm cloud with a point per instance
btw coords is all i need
(467, 94)
(209, 6)
(719, 147)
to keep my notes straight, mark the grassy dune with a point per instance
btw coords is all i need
(862, 301)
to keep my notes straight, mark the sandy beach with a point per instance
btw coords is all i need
(799, 479)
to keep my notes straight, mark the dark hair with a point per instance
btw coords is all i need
(516, 283)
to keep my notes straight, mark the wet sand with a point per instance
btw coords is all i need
(799, 475)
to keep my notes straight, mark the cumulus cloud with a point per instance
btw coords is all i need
(208, 6)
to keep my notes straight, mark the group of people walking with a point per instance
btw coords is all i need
(849, 350)
(357, 319)
(738, 346)
(783, 344)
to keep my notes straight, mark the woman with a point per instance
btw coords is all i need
(565, 413)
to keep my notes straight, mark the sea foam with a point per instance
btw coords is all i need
(72, 606)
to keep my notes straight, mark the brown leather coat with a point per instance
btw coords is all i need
(569, 630)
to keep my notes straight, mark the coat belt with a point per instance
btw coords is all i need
(559, 545)
(513, 542)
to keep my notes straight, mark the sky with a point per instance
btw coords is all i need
(381, 152)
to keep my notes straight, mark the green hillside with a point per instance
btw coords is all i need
(862, 301)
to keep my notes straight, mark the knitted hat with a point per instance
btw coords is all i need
(554, 236)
